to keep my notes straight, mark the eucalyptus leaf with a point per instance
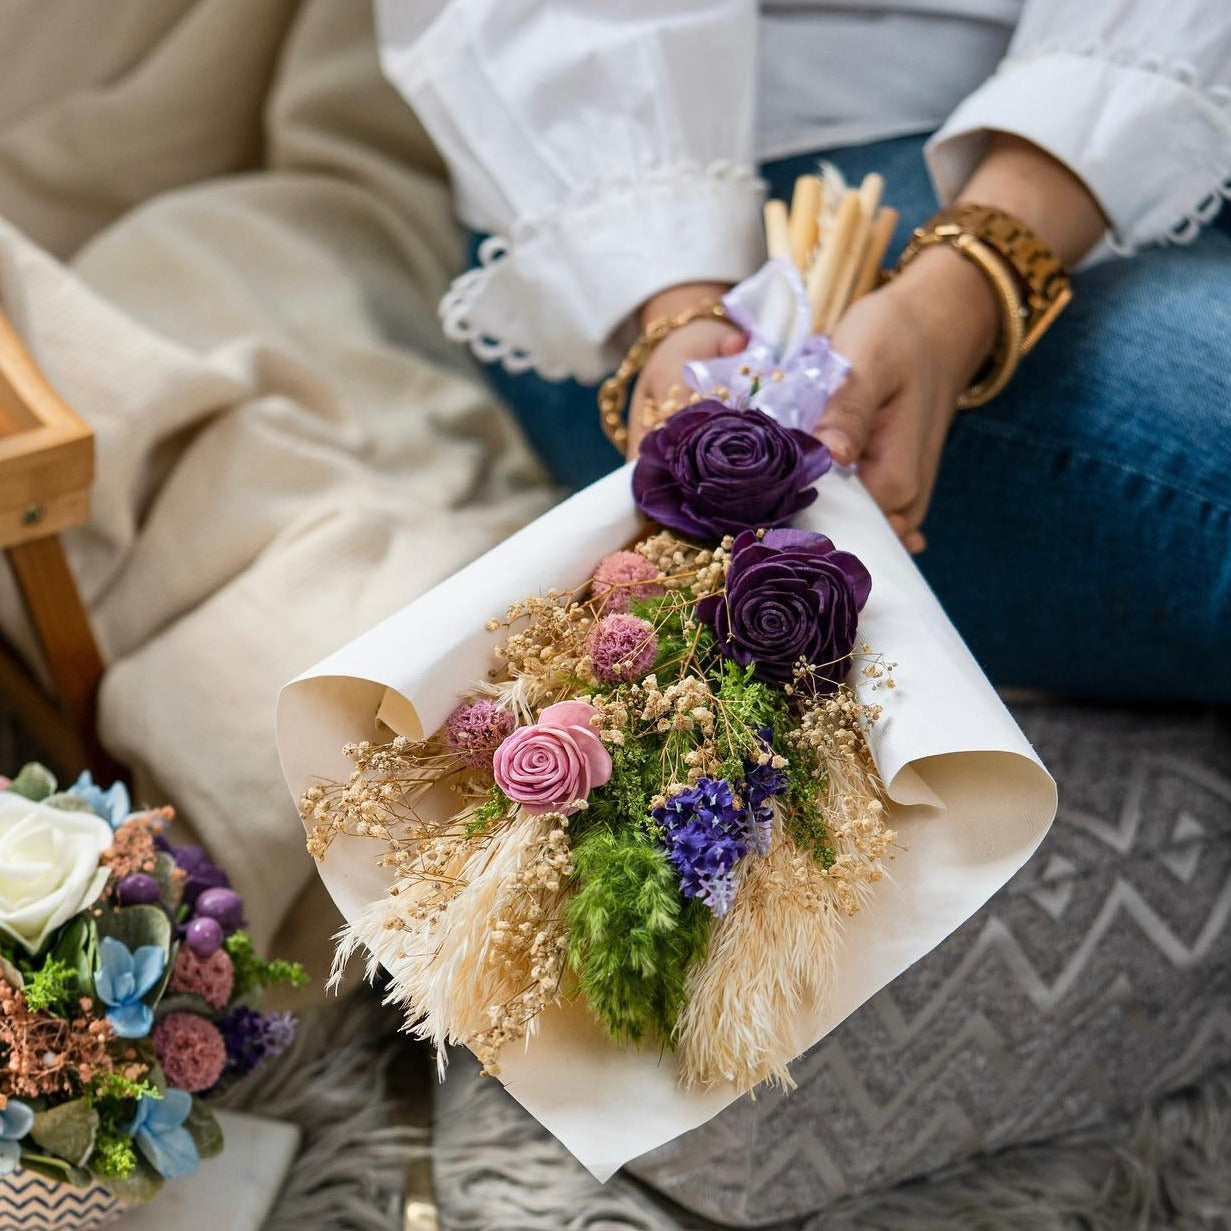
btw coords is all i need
(136, 926)
(144, 1184)
(34, 781)
(67, 1131)
(205, 1129)
(57, 1170)
(184, 1002)
(68, 803)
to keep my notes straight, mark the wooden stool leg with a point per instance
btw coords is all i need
(59, 618)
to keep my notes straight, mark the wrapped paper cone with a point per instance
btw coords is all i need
(968, 797)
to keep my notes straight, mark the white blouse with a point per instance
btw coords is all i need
(609, 146)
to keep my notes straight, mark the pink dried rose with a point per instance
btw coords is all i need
(622, 648)
(622, 577)
(551, 766)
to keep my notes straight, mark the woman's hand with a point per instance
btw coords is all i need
(662, 378)
(914, 346)
(917, 343)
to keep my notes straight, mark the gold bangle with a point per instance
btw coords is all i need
(613, 392)
(1008, 350)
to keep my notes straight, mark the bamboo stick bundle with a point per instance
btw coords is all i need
(851, 260)
(883, 227)
(822, 274)
(777, 231)
(807, 201)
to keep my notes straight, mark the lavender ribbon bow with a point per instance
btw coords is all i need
(786, 370)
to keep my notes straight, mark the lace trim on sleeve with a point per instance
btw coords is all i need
(1209, 203)
(504, 340)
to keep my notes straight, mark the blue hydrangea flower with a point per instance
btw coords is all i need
(122, 979)
(16, 1120)
(158, 1129)
(113, 804)
(706, 835)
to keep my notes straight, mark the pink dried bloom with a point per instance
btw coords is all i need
(556, 763)
(190, 1050)
(623, 648)
(212, 978)
(622, 577)
(476, 729)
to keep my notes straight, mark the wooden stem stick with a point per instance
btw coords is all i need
(777, 230)
(806, 202)
(821, 276)
(883, 227)
(869, 197)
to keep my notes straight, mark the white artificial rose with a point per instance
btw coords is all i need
(48, 866)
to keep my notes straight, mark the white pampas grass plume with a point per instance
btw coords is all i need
(775, 951)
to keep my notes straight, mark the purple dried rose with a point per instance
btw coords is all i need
(789, 595)
(713, 470)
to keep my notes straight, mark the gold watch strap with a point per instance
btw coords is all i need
(1045, 288)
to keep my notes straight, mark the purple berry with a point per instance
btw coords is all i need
(225, 905)
(138, 890)
(203, 936)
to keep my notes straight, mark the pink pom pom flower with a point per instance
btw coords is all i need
(212, 978)
(552, 765)
(190, 1050)
(622, 648)
(622, 577)
(475, 730)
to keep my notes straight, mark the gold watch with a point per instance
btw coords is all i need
(1028, 279)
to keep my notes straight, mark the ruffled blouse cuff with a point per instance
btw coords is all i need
(557, 295)
(1148, 140)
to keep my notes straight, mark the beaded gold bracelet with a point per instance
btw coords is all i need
(613, 392)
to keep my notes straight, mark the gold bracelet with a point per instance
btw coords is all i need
(613, 392)
(1028, 280)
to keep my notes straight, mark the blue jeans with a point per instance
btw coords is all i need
(1080, 532)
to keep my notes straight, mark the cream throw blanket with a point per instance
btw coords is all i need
(223, 236)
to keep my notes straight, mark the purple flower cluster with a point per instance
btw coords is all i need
(706, 835)
(251, 1038)
(761, 784)
(215, 909)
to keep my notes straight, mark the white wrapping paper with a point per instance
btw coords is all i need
(971, 799)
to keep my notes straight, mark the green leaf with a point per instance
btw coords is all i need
(136, 926)
(184, 1002)
(57, 1170)
(142, 1185)
(34, 781)
(68, 803)
(67, 1131)
(78, 949)
(205, 1129)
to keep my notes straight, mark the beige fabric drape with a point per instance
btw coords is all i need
(223, 236)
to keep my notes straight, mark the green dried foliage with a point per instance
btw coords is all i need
(632, 937)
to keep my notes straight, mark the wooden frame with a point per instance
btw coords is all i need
(46, 468)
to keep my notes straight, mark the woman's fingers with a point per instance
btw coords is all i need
(850, 415)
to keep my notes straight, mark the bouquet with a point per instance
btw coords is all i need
(663, 790)
(615, 805)
(127, 984)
